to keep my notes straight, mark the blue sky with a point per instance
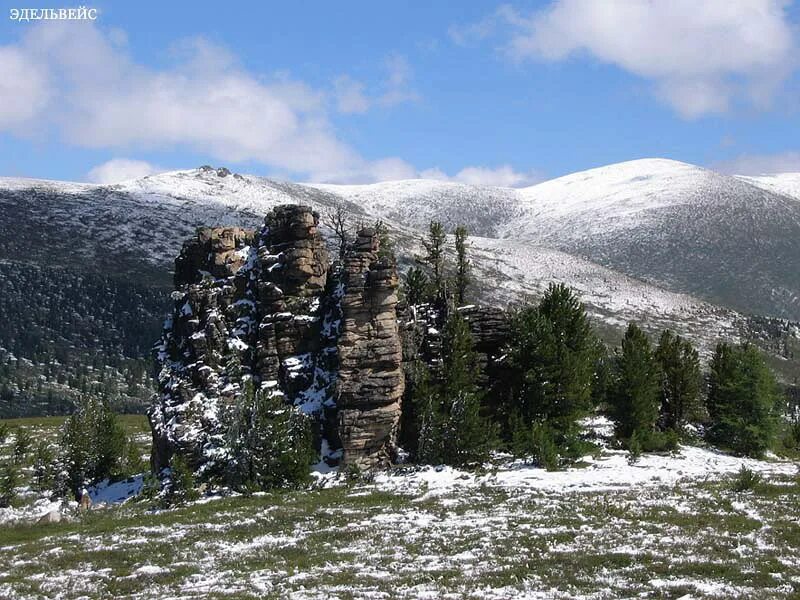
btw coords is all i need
(367, 91)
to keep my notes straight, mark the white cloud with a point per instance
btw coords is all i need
(351, 95)
(24, 89)
(502, 176)
(701, 56)
(760, 164)
(120, 169)
(76, 81)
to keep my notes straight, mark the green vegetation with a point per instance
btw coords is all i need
(552, 357)
(743, 400)
(452, 429)
(271, 443)
(359, 541)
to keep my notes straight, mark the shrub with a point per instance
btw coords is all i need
(537, 441)
(742, 401)
(746, 480)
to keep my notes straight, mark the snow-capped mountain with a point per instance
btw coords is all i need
(787, 184)
(661, 242)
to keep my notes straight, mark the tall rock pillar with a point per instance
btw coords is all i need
(371, 381)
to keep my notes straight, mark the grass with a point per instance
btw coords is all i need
(702, 538)
(351, 542)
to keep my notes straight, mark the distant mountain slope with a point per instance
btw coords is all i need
(683, 227)
(787, 184)
(694, 235)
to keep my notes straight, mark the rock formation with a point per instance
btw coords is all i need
(371, 380)
(265, 311)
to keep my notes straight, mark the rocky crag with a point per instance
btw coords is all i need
(267, 311)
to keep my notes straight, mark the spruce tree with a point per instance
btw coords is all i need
(553, 352)
(680, 383)
(463, 266)
(635, 394)
(743, 400)
(435, 256)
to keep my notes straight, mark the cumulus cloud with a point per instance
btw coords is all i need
(24, 90)
(121, 169)
(502, 176)
(701, 57)
(75, 80)
(760, 164)
(352, 96)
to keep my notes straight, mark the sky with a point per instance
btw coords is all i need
(363, 91)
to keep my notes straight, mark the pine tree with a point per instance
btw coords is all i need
(553, 352)
(435, 256)
(634, 398)
(463, 266)
(680, 384)
(417, 286)
(92, 446)
(178, 487)
(742, 400)
(385, 242)
(9, 478)
(22, 444)
(272, 443)
(43, 467)
(452, 428)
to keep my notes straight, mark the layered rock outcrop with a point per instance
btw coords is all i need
(371, 380)
(265, 311)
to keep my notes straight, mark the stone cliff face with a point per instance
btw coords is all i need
(371, 380)
(266, 311)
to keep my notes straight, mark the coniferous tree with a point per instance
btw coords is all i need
(43, 467)
(22, 444)
(92, 446)
(435, 256)
(635, 395)
(452, 428)
(385, 242)
(680, 383)
(553, 352)
(417, 286)
(272, 443)
(742, 400)
(9, 478)
(463, 266)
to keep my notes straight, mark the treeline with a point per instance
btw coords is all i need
(556, 373)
